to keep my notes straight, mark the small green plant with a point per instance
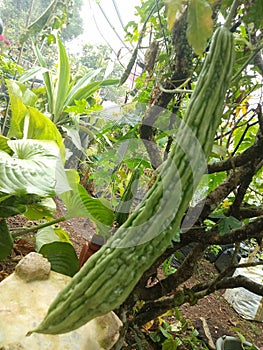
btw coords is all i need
(175, 332)
(244, 342)
(167, 268)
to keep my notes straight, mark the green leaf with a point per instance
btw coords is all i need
(44, 236)
(200, 25)
(35, 167)
(84, 92)
(51, 234)
(170, 344)
(6, 240)
(47, 79)
(7, 211)
(165, 333)
(228, 223)
(44, 209)
(4, 145)
(39, 23)
(39, 126)
(62, 86)
(80, 204)
(175, 10)
(17, 90)
(255, 14)
(62, 234)
(81, 83)
(62, 257)
(42, 128)
(123, 209)
(31, 74)
(108, 82)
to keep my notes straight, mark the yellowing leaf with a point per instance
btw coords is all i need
(200, 25)
(175, 9)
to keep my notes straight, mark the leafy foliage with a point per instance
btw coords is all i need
(32, 162)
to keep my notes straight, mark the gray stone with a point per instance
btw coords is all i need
(24, 304)
(33, 267)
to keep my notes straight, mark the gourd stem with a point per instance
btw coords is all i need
(38, 227)
(231, 14)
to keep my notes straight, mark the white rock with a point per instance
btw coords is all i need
(24, 304)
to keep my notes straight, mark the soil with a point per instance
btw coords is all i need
(214, 310)
(220, 317)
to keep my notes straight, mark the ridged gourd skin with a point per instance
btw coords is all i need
(110, 275)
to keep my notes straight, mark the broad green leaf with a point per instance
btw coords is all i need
(62, 86)
(35, 167)
(6, 240)
(18, 90)
(62, 257)
(51, 234)
(44, 236)
(80, 204)
(216, 179)
(200, 25)
(19, 111)
(175, 9)
(44, 209)
(39, 126)
(42, 128)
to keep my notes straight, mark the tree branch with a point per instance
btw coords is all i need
(234, 162)
(152, 309)
(203, 238)
(181, 69)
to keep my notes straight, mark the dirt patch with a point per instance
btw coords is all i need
(220, 317)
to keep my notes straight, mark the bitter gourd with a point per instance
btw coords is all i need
(110, 275)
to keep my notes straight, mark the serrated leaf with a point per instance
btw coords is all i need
(62, 257)
(200, 25)
(6, 240)
(175, 10)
